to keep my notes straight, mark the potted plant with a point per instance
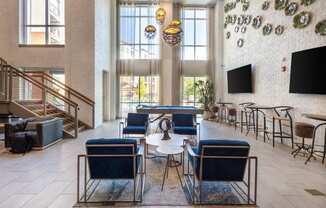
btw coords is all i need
(205, 90)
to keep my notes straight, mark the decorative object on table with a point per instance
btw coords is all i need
(240, 43)
(236, 29)
(307, 2)
(243, 29)
(228, 35)
(229, 6)
(267, 29)
(302, 20)
(247, 19)
(291, 9)
(160, 15)
(257, 22)
(150, 31)
(321, 28)
(281, 4)
(165, 125)
(206, 95)
(172, 33)
(279, 30)
(266, 5)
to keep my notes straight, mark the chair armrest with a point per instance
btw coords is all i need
(191, 151)
(140, 150)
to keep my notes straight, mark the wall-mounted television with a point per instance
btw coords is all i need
(239, 80)
(308, 71)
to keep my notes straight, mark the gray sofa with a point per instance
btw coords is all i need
(44, 131)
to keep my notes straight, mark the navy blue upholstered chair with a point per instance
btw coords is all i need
(135, 124)
(112, 159)
(220, 160)
(184, 124)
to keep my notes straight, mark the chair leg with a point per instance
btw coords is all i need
(291, 129)
(273, 132)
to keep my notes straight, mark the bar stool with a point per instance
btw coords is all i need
(245, 116)
(305, 131)
(214, 109)
(232, 116)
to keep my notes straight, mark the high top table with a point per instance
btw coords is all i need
(322, 118)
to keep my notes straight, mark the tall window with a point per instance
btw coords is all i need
(43, 22)
(195, 27)
(133, 43)
(190, 95)
(138, 90)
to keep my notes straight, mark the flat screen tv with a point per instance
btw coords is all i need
(308, 71)
(239, 80)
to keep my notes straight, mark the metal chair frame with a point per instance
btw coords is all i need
(191, 178)
(88, 182)
(244, 113)
(313, 151)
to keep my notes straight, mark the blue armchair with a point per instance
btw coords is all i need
(184, 124)
(220, 160)
(135, 123)
(111, 159)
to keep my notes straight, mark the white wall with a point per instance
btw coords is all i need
(265, 53)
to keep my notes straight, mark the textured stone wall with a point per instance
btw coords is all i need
(266, 54)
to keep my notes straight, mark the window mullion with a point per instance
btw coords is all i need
(46, 21)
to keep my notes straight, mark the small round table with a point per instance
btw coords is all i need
(156, 140)
(170, 150)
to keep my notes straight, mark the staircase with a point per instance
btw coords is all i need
(71, 101)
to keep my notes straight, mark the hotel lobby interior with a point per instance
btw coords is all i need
(162, 103)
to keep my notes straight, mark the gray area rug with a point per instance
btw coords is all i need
(173, 193)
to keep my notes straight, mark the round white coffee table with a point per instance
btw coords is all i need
(170, 151)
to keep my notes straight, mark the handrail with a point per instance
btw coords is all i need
(63, 86)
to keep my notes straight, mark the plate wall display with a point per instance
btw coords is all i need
(302, 19)
(281, 4)
(265, 5)
(267, 29)
(321, 28)
(247, 19)
(243, 29)
(257, 22)
(236, 29)
(307, 2)
(291, 9)
(228, 35)
(240, 43)
(279, 30)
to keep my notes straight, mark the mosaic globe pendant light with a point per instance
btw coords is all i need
(172, 33)
(160, 15)
(150, 31)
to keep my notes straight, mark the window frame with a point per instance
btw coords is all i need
(194, 19)
(141, 32)
(195, 103)
(24, 26)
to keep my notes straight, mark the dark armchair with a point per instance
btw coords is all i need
(111, 159)
(220, 160)
(184, 124)
(135, 123)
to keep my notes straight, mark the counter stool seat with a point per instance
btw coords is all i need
(305, 131)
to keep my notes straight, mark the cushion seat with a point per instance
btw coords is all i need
(185, 130)
(134, 130)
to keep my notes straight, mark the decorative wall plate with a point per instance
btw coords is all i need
(236, 29)
(229, 6)
(291, 9)
(321, 28)
(302, 19)
(245, 6)
(243, 29)
(281, 4)
(240, 20)
(228, 35)
(307, 2)
(279, 30)
(267, 29)
(240, 43)
(225, 25)
(266, 5)
(257, 22)
(247, 19)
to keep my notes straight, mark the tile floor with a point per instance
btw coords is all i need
(48, 178)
